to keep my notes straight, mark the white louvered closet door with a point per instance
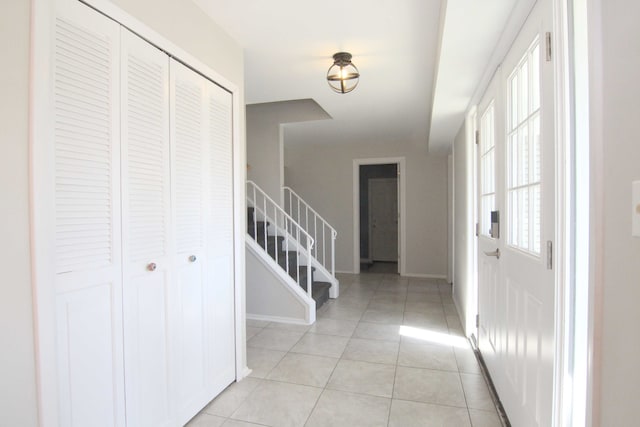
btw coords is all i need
(189, 166)
(203, 212)
(220, 291)
(84, 192)
(149, 294)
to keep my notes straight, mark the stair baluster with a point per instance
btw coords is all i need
(296, 207)
(287, 232)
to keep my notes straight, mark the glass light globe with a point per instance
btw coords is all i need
(343, 76)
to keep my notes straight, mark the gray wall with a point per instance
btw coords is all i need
(179, 21)
(323, 175)
(620, 253)
(464, 234)
(264, 139)
(368, 172)
(267, 296)
(17, 363)
(264, 151)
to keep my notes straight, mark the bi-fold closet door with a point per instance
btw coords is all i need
(142, 193)
(177, 236)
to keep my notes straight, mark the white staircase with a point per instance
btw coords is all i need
(285, 280)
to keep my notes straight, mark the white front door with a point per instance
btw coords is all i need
(517, 297)
(383, 219)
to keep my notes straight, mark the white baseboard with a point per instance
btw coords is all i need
(426, 276)
(416, 275)
(244, 373)
(276, 319)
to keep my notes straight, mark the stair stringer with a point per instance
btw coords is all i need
(268, 289)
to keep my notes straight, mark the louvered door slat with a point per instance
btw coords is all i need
(221, 177)
(188, 171)
(73, 157)
(147, 155)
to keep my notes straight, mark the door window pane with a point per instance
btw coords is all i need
(487, 168)
(524, 155)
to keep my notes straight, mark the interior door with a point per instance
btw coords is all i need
(147, 240)
(383, 219)
(524, 301)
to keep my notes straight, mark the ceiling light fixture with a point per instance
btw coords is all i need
(343, 76)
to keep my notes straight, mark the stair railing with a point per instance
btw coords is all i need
(313, 223)
(283, 225)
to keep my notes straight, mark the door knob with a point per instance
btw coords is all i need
(192, 258)
(152, 266)
(495, 253)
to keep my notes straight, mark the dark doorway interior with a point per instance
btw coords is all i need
(366, 173)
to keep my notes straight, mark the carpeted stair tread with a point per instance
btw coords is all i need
(320, 293)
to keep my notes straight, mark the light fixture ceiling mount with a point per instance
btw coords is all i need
(343, 76)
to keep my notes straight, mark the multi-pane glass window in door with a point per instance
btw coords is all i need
(487, 168)
(524, 152)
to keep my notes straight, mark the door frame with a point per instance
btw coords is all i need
(401, 162)
(579, 176)
(41, 116)
(472, 309)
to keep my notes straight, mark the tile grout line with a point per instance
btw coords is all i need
(395, 374)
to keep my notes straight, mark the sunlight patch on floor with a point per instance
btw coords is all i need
(434, 337)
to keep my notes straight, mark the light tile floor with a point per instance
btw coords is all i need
(389, 352)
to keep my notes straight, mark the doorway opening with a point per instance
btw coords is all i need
(378, 201)
(379, 218)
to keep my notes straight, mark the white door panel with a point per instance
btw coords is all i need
(149, 397)
(221, 338)
(89, 378)
(190, 333)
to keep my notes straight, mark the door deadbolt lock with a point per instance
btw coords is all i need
(192, 258)
(152, 266)
(494, 231)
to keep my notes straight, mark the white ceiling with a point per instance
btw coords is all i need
(288, 47)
